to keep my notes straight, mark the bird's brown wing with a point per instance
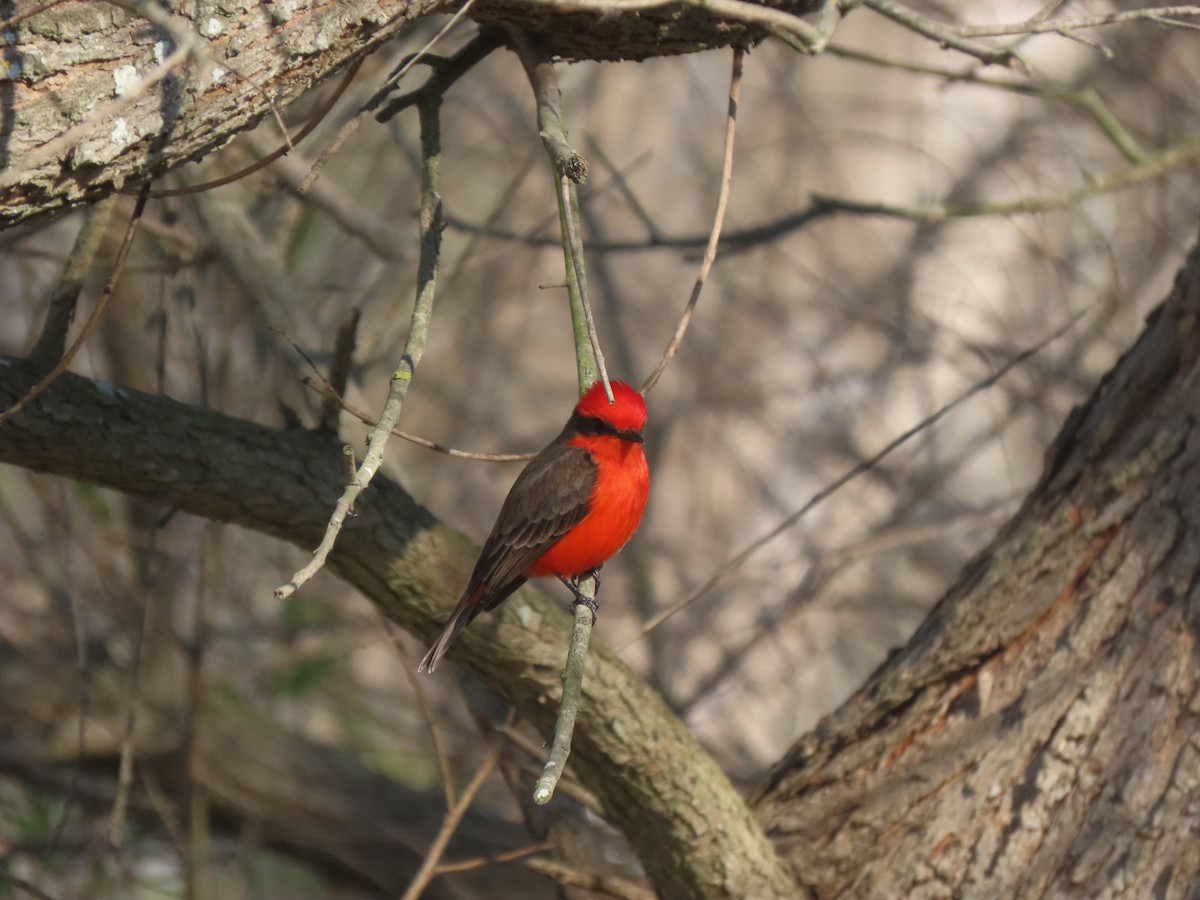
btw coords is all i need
(548, 499)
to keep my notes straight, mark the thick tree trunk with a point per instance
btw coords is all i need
(94, 98)
(694, 834)
(1040, 734)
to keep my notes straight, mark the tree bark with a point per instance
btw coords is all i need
(94, 98)
(1038, 736)
(695, 835)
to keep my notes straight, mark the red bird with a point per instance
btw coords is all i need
(572, 507)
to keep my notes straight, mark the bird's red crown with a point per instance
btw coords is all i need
(626, 412)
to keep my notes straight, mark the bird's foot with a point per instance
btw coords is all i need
(572, 584)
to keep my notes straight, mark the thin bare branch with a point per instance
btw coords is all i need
(1160, 14)
(592, 368)
(732, 565)
(1153, 166)
(326, 390)
(539, 67)
(714, 237)
(414, 347)
(605, 885)
(1086, 99)
(572, 695)
(945, 35)
(481, 862)
(454, 815)
(435, 734)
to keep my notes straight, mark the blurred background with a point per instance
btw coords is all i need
(820, 337)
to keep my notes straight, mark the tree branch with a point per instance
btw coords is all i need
(414, 346)
(657, 784)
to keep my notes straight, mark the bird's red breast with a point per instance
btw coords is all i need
(614, 509)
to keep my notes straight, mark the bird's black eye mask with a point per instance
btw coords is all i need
(589, 426)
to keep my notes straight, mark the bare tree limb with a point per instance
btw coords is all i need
(414, 346)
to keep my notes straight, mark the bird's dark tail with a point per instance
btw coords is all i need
(466, 610)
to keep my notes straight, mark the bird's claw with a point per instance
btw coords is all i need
(572, 584)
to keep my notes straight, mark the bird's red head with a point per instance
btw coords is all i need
(627, 412)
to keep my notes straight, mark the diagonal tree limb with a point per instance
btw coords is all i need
(656, 782)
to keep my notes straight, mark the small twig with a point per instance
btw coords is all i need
(945, 35)
(454, 815)
(851, 474)
(714, 237)
(53, 339)
(568, 707)
(810, 44)
(394, 78)
(570, 168)
(339, 370)
(423, 703)
(347, 210)
(619, 180)
(579, 296)
(551, 128)
(1152, 166)
(536, 751)
(480, 862)
(732, 241)
(1087, 99)
(1060, 26)
(607, 885)
(325, 390)
(435, 734)
(93, 318)
(414, 346)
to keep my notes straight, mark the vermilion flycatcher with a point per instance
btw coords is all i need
(572, 507)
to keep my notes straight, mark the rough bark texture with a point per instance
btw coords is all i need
(1038, 737)
(694, 834)
(87, 106)
(80, 120)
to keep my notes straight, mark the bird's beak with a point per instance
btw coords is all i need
(631, 436)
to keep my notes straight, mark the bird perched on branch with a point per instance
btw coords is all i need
(572, 507)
